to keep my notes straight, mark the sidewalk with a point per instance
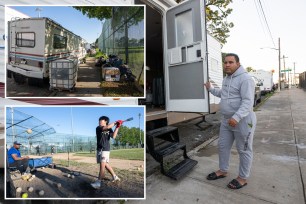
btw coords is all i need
(279, 166)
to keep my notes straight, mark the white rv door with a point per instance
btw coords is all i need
(186, 62)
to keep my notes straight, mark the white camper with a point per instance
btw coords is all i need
(34, 42)
(180, 58)
(265, 78)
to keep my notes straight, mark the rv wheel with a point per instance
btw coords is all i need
(18, 78)
(9, 74)
(32, 81)
(35, 82)
(46, 80)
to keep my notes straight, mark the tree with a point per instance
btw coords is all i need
(99, 12)
(106, 12)
(250, 69)
(216, 13)
(129, 135)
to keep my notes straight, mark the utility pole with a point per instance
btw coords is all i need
(294, 74)
(72, 130)
(285, 67)
(139, 129)
(38, 10)
(279, 65)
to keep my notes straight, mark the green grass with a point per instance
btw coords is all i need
(119, 89)
(128, 154)
(62, 162)
(100, 54)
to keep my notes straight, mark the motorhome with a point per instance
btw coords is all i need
(35, 42)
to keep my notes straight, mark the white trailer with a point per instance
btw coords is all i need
(181, 52)
(265, 78)
(180, 58)
(35, 42)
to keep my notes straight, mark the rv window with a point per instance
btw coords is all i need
(184, 29)
(59, 42)
(25, 39)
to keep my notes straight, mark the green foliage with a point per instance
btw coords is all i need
(216, 13)
(249, 69)
(99, 12)
(129, 136)
(105, 12)
(100, 54)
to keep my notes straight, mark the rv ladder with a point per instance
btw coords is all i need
(13, 25)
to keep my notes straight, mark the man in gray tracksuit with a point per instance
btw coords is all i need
(238, 122)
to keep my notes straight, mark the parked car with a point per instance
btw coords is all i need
(257, 96)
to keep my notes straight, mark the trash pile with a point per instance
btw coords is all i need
(113, 69)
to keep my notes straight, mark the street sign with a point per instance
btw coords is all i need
(286, 70)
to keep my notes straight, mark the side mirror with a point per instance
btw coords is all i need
(259, 84)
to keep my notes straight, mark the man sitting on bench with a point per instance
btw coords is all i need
(16, 160)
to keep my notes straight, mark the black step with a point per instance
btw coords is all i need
(169, 149)
(161, 131)
(180, 169)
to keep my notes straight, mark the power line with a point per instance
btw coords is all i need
(266, 22)
(260, 19)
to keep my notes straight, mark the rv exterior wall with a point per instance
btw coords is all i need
(43, 49)
(215, 69)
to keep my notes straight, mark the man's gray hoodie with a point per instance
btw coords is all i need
(237, 96)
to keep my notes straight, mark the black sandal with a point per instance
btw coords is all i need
(234, 184)
(213, 176)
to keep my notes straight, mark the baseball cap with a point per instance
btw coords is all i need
(17, 143)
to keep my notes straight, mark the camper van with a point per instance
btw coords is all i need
(35, 42)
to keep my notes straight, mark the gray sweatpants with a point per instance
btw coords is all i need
(243, 135)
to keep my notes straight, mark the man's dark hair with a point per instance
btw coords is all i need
(104, 118)
(233, 55)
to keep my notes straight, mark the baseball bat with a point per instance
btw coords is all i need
(129, 119)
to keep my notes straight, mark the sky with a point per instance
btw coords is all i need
(84, 119)
(286, 20)
(70, 18)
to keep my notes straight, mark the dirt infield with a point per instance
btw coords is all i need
(117, 163)
(85, 171)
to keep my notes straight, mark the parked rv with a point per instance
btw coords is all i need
(266, 78)
(35, 42)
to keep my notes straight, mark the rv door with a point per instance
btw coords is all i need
(186, 60)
